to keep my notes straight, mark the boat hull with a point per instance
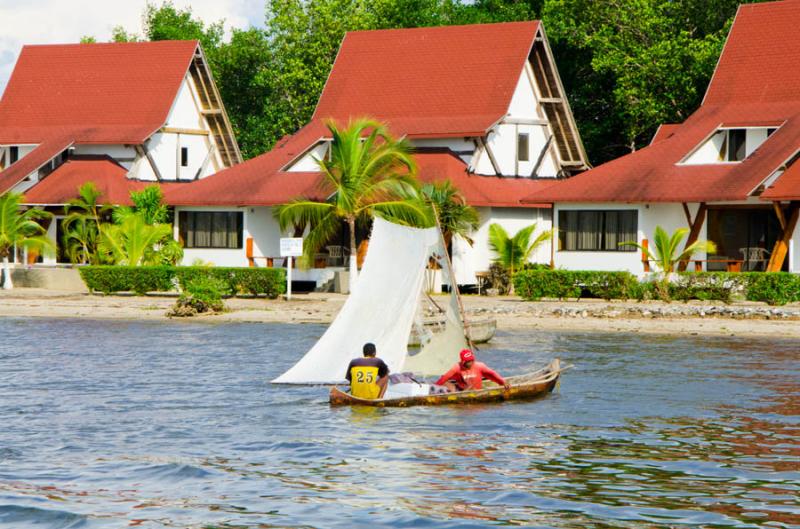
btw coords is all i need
(523, 387)
(479, 331)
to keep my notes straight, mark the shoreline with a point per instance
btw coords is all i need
(511, 313)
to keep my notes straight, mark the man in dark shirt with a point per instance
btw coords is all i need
(368, 376)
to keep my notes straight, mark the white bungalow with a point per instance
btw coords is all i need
(728, 173)
(122, 115)
(482, 104)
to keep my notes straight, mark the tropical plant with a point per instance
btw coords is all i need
(514, 252)
(368, 173)
(667, 248)
(20, 229)
(81, 226)
(133, 242)
(668, 254)
(149, 205)
(456, 218)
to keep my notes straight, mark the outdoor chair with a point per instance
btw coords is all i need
(336, 255)
(754, 257)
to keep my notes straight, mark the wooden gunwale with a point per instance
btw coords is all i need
(523, 387)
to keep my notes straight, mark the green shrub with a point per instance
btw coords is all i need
(537, 284)
(270, 282)
(138, 279)
(708, 286)
(775, 288)
(608, 285)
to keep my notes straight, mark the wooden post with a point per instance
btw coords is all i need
(645, 257)
(694, 234)
(249, 252)
(781, 248)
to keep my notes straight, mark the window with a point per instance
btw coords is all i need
(184, 156)
(523, 147)
(210, 229)
(13, 154)
(736, 145)
(597, 230)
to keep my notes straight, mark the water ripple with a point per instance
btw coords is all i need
(113, 424)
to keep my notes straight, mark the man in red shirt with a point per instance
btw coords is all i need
(469, 374)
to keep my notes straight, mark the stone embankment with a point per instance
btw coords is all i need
(674, 310)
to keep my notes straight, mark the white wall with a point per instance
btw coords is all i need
(502, 141)
(668, 216)
(470, 259)
(709, 151)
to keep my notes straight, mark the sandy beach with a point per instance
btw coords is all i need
(509, 311)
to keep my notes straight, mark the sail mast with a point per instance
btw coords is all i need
(453, 282)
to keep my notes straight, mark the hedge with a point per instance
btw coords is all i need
(775, 288)
(142, 279)
(537, 284)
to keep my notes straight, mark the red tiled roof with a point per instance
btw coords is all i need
(439, 81)
(110, 178)
(259, 181)
(664, 131)
(98, 93)
(492, 191)
(757, 82)
(760, 60)
(786, 187)
(34, 160)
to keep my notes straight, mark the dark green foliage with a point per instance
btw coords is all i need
(777, 288)
(537, 284)
(270, 282)
(138, 279)
(708, 286)
(499, 278)
(774, 288)
(202, 294)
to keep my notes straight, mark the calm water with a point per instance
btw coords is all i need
(107, 424)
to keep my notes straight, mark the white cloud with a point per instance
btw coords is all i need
(64, 21)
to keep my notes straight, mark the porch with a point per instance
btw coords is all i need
(749, 237)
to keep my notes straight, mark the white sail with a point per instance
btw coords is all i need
(439, 354)
(380, 309)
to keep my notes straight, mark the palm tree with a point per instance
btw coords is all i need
(368, 173)
(133, 242)
(455, 217)
(668, 253)
(514, 252)
(19, 228)
(81, 225)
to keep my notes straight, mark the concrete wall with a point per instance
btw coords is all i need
(68, 279)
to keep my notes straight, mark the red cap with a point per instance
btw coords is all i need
(466, 356)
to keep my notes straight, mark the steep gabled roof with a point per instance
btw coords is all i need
(100, 93)
(757, 82)
(439, 81)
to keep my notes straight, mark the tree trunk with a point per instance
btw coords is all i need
(7, 284)
(351, 223)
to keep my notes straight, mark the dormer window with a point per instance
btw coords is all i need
(730, 144)
(736, 143)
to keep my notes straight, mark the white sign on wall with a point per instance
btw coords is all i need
(291, 246)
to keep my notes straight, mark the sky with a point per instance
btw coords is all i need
(65, 21)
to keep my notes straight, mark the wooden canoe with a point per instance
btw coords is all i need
(479, 331)
(523, 387)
